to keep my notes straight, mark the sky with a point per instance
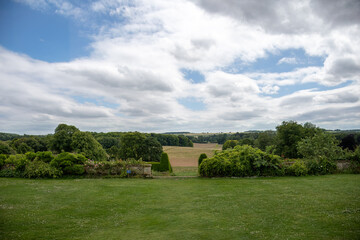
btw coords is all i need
(180, 65)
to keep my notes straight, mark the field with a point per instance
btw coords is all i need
(314, 207)
(188, 156)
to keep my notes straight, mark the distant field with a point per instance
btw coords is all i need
(188, 156)
(313, 207)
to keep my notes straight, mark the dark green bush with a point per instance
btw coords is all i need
(10, 172)
(3, 157)
(69, 163)
(165, 163)
(201, 158)
(40, 169)
(155, 166)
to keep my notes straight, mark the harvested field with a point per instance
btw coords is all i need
(188, 156)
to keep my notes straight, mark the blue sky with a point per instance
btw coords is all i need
(158, 66)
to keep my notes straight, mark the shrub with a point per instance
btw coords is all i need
(18, 162)
(69, 163)
(40, 169)
(241, 161)
(108, 168)
(3, 157)
(298, 168)
(155, 166)
(354, 158)
(30, 156)
(165, 163)
(46, 157)
(229, 144)
(320, 166)
(5, 148)
(10, 172)
(201, 158)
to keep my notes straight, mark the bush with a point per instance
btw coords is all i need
(3, 157)
(201, 158)
(155, 166)
(107, 168)
(45, 157)
(40, 169)
(320, 166)
(165, 163)
(18, 162)
(240, 162)
(5, 148)
(30, 156)
(10, 172)
(298, 168)
(69, 163)
(354, 158)
(229, 144)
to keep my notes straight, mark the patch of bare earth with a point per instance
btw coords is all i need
(188, 156)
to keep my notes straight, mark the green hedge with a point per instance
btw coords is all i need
(162, 166)
(241, 161)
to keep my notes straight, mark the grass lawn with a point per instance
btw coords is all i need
(314, 207)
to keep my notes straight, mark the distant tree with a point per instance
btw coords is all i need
(31, 143)
(348, 142)
(132, 145)
(320, 145)
(62, 140)
(184, 141)
(265, 139)
(152, 150)
(5, 148)
(108, 142)
(229, 144)
(86, 144)
(246, 141)
(288, 135)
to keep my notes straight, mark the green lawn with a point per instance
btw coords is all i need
(315, 207)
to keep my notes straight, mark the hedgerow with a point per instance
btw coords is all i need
(241, 161)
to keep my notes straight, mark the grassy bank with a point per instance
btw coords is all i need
(320, 207)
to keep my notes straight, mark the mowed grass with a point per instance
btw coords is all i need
(188, 156)
(313, 207)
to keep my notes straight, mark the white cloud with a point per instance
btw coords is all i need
(287, 60)
(136, 64)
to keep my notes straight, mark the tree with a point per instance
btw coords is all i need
(86, 144)
(63, 138)
(348, 142)
(152, 150)
(320, 145)
(5, 148)
(288, 135)
(132, 145)
(229, 144)
(265, 139)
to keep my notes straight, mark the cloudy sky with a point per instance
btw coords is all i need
(180, 65)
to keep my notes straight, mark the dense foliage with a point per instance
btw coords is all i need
(201, 158)
(241, 161)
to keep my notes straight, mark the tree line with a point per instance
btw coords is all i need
(95, 146)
